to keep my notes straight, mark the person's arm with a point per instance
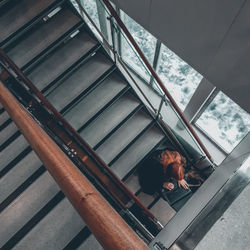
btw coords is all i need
(183, 183)
(168, 185)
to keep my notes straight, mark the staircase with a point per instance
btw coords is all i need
(51, 44)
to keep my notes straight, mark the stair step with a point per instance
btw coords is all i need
(55, 230)
(109, 119)
(60, 60)
(123, 136)
(137, 152)
(4, 117)
(7, 132)
(20, 14)
(93, 102)
(82, 78)
(17, 175)
(132, 183)
(163, 211)
(90, 243)
(37, 41)
(25, 206)
(12, 151)
(145, 199)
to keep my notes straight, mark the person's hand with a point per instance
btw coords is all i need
(168, 185)
(183, 183)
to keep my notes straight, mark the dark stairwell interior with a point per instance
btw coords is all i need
(55, 49)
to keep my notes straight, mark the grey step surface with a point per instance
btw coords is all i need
(132, 183)
(109, 119)
(90, 243)
(17, 175)
(19, 15)
(12, 150)
(61, 60)
(55, 230)
(137, 152)
(4, 117)
(25, 206)
(145, 199)
(94, 101)
(163, 211)
(123, 136)
(7, 132)
(79, 81)
(33, 44)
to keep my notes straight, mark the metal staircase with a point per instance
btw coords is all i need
(51, 44)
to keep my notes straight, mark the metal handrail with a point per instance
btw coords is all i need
(154, 74)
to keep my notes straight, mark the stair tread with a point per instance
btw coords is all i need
(79, 81)
(61, 60)
(132, 183)
(123, 136)
(33, 44)
(94, 101)
(137, 152)
(12, 151)
(163, 211)
(145, 199)
(4, 117)
(109, 119)
(17, 175)
(9, 25)
(25, 206)
(7, 132)
(90, 243)
(55, 230)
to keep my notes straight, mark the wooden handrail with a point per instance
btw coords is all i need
(105, 223)
(154, 74)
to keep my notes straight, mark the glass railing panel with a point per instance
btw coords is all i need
(131, 58)
(172, 119)
(143, 38)
(128, 54)
(91, 9)
(169, 115)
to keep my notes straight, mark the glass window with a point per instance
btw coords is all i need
(145, 41)
(180, 79)
(225, 122)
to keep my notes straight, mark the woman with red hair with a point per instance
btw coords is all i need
(172, 163)
(160, 169)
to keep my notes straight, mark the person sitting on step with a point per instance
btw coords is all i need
(173, 169)
(157, 171)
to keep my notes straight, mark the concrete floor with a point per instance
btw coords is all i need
(232, 230)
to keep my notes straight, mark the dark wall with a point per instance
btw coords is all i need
(213, 36)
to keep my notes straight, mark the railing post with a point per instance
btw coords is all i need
(105, 223)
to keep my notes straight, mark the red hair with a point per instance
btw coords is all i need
(175, 171)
